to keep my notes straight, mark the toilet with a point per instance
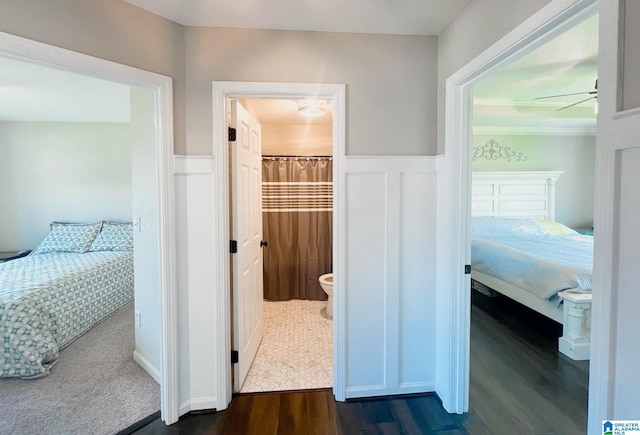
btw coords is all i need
(326, 282)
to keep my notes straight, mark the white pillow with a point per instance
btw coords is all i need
(486, 227)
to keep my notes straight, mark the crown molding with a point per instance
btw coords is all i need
(537, 130)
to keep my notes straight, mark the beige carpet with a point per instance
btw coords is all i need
(95, 387)
(296, 352)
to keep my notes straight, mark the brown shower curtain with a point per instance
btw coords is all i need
(297, 223)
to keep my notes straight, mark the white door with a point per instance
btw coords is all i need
(614, 381)
(246, 230)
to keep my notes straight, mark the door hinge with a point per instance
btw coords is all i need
(234, 357)
(232, 134)
(233, 246)
(467, 269)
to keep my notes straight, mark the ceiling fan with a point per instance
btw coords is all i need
(592, 96)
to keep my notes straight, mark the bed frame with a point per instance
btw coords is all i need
(531, 194)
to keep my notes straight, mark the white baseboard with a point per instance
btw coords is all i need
(147, 366)
(441, 393)
(198, 403)
(418, 387)
(380, 390)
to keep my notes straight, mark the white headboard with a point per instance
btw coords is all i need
(526, 194)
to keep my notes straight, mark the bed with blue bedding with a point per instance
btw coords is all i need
(59, 291)
(542, 257)
(539, 263)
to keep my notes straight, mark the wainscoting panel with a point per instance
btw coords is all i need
(627, 357)
(390, 275)
(417, 285)
(365, 280)
(195, 257)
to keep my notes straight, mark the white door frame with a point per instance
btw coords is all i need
(552, 20)
(26, 50)
(222, 92)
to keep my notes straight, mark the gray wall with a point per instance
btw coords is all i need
(74, 172)
(391, 81)
(575, 155)
(108, 29)
(476, 28)
(391, 95)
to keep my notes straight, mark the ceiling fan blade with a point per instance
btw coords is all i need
(567, 95)
(575, 104)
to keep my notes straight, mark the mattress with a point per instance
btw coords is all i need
(540, 262)
(48, 300)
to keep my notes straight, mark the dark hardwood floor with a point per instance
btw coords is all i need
(519, 384)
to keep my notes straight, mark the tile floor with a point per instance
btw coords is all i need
(296, 351)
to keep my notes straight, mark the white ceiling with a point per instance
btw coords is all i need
(397, 17)
(30, 92)
(567, 64)
(280, 111)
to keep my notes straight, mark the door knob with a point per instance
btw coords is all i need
(263, 243)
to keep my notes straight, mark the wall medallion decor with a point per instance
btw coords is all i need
(492, 150)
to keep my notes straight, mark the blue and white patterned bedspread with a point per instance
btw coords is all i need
(48, 300)
(542, 265)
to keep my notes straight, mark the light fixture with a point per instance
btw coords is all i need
(311, 107)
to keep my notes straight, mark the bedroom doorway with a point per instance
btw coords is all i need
(160, 88)
(542, 27)
(223, 93)
(551, 145)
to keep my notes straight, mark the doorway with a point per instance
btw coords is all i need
(510, 151)
(34, 52)
(222, 93)
(541, 28)
(283, 233)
